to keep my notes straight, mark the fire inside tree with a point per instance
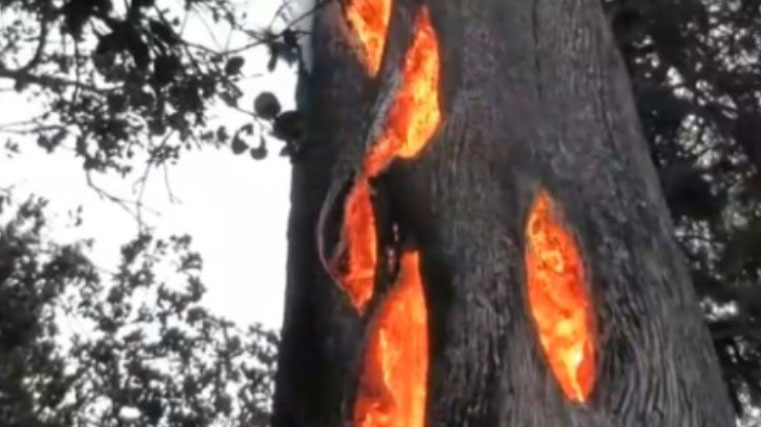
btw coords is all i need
(503, 306)
(393, 374)
(413, 117)
(557, 296)
(393, 379)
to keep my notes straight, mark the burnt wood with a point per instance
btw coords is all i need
(534, 96)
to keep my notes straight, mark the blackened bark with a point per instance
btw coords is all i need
(534, 96)
(537, 97)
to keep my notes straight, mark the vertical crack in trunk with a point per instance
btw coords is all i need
(411, 121)
(370, 19)
(362, 244)
(415, 113)
(559, 301)
(392, 384)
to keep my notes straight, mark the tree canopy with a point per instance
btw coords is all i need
(85, 347)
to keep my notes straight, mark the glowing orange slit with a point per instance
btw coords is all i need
(557, 293)
(415, 112)
(359, 234)
(369, 19)
(392, 384)
(412, 120)
(393, 380)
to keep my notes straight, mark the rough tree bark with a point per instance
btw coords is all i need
(534, 96)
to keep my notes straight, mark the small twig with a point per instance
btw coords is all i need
(262, 40)
(172, 198)
(121, 202)
(45, 81)
(143, 180)
(19, 123)
(77, 72)
(184, 22)
(279, 10)
(35, 130)
(209, 30)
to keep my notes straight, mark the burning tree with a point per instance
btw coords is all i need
(479, 190)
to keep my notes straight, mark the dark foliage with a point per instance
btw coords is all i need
(82, 347)
(695, 66)
(119, 79)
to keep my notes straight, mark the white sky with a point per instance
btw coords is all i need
(234, 207)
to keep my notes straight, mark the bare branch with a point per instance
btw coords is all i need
(45, 81)
(133, 207)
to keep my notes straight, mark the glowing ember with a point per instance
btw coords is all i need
(411, 122)
(370, 18)
(415, 112)
(359, 235)
(558, 298)
(393, 380)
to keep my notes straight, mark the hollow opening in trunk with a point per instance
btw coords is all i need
(392, 382)
(415, 112)
(361, 245)
(558, 299)
(409, 126)
(369, 19)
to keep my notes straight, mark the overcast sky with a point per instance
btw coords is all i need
(235, 208)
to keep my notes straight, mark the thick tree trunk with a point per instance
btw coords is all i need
(534, 96)
(320, 333)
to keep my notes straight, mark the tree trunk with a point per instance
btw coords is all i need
(534, 99)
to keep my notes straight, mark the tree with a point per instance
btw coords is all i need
(692, 65)
(82, 347)
(538, 151)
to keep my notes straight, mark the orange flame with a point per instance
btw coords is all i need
(411, 122)
(558, 300)
(415, 112)
(359, 234)
(392, 387)
(370, 18)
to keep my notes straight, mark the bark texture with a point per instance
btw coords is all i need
(534, 96)
(319, 332)
(322, 333)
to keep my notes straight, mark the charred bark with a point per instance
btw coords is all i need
(319, 332)
(535, 96)
(322, 334)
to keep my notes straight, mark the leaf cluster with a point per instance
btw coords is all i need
(84, 347)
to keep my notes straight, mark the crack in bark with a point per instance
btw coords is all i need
(535, 33)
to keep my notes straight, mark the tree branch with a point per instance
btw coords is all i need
(44, 81)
